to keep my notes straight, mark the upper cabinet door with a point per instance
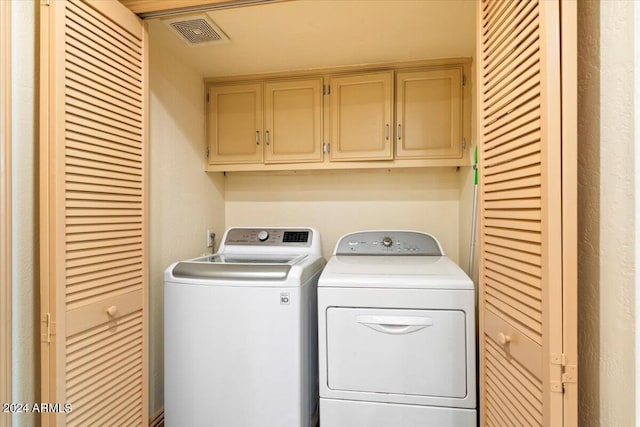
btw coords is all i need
(235, 123)
(361, 117)
(429, 114)
(293, 121)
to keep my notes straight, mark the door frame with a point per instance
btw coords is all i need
(5, 208)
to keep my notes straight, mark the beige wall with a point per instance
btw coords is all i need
(185, 201)
(606, 214)
(342, 201)
(26, 303)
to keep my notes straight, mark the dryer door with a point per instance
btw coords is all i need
(407, 352)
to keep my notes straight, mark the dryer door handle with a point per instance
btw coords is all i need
(395, 325)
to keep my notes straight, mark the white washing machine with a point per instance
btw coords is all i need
(396, 334)
(240, 332)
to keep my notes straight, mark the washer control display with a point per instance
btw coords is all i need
(296, 237)
(269, 237)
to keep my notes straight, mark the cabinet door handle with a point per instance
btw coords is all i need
(266, 137)
(504, 339)
(112, 311)
(399, 131)
(257, 137)
(387, 132)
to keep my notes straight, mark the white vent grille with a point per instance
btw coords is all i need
(197, 30)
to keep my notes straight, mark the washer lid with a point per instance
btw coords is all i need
(394, 271)
(238, 267)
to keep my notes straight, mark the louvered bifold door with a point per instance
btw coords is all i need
(520, 293)
(93, 214)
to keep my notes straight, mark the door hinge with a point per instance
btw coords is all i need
(326, 148)
(464, 144)
(48, 327)
(464, 80)
(568, 373)
(326, 89)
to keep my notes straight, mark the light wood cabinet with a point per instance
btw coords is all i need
(234, 123)
(291, 130)
(429, 114)
(293, 121)
(409, 114)
(361, 116)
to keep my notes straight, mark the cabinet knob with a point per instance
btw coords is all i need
(504, 339)
(112, 311)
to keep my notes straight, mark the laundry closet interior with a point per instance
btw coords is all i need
(282, 39)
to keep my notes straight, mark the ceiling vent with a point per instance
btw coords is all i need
(197, 30)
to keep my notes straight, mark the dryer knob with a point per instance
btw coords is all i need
(263, 235)
(387, 241)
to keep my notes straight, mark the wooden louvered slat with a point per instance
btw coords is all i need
(502, 409)
(102, 366)
(132, 276)
(100, 41)
(90, 126)
(505, 147)
(509, 106)
(498, 16)
(509, 395)
(525, 57)
(512, 127)
(88, 103)
(501, 56)
(83, 47)
(98, 86)
(83, 65)
(519, 264)
(525, 236)
(530, 171)
(505, 83)
(508, 24)
(527, 284)
(505, 43)
(514, 224)
(80, 133)
(104, 120)
(501, 132)
(125, 266)
(113, 30)
(495, 14)
(522, 380)
(102, 161)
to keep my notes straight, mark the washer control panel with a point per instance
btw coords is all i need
(269, 237)
(389, 243)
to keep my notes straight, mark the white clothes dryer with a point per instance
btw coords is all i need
(240, 332)
(397, 344)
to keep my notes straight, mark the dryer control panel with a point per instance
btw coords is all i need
(389, 242)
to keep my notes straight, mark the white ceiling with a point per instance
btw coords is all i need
(304, 34)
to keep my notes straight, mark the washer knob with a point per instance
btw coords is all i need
(263, 235)
(387, 241)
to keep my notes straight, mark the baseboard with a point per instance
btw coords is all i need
(157, 419)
